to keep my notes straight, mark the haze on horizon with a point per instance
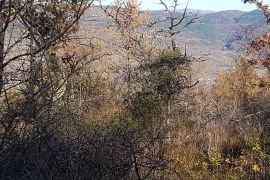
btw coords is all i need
(212, 5)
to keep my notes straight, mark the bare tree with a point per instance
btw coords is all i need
(176, 20)
(34, 69)
(29, 28)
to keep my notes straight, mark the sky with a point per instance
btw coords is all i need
(213, 5)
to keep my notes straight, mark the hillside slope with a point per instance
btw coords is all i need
(219, 35)
(215, 34)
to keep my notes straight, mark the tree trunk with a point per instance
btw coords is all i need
(173, 44)
(168, 122)
(2, 41)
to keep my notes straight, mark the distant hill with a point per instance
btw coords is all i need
(218, 34)
(253, 18)
(195, 11)
(222, 29)
(215, 34)
(215, 27)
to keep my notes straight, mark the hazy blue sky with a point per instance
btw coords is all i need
(215, 5)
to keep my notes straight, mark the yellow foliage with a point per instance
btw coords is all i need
(257, 147)
(239, 83)
(70, 48)
(256, 168)
(128, 15)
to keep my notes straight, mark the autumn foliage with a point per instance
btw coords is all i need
(66, 113)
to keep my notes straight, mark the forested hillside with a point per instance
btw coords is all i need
(96, 91)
